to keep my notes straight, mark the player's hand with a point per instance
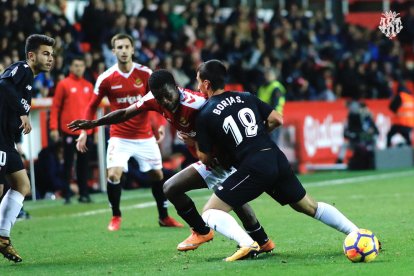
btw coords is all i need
(80, 124)
(54, 135)
(81, 142)
(189, 141)
(161, 134)
(26, 126)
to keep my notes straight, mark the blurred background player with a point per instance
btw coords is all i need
(402, 105)
(16, 84)
(361, 135)
(124, 83)
(273, 93)
(72, 96)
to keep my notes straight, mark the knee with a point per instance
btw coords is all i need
(114, 178)
(169, 188)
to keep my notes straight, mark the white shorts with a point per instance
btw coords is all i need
(212, 177)
(145, 151)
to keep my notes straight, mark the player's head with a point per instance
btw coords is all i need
(123, 48)
(163, 87)
(77, 66)
(211, 76)
(39, 52)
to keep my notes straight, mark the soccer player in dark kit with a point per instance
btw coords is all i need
(15, 99)
(239, 123)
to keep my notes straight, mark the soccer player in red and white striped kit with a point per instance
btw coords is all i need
(124, 83)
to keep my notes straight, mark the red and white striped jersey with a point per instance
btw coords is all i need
(122, 90)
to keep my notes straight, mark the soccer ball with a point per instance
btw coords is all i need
(361, 246)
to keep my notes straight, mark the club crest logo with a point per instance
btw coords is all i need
(390, 24)
(138, 83)
(183, 122)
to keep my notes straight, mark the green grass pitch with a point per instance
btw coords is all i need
(73, 240)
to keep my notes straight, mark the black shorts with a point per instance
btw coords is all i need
(265, 171)
(10, 162)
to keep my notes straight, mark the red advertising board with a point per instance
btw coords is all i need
(319, 128)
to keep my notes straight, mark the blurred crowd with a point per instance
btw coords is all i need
(314, 57)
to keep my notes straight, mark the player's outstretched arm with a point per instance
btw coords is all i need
(114, 117)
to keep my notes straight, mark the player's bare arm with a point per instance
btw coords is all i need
(274, 120)
(114, 117)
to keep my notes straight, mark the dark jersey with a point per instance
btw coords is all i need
(15, 99)
(233, 122)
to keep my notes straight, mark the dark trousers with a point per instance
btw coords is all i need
(82, 160)
(403, 130)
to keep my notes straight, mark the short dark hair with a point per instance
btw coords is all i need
(78, 57)
(215, 72)
(160, 78)
(119, 37)
(34, 41)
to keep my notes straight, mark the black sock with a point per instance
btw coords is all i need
(193, 218)
(114, 197)
(160, 198)
(5, 238)
(257, 233)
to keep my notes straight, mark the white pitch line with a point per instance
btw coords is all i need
(131, 207)
(356, 179)
(365, 178)
(100, 211)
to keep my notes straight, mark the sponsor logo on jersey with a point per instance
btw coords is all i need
(116, 87)
(29, 87)
(129, 99)
(73, 90)
(26, 106)
(138, 83)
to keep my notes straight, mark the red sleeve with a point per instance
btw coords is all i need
(95, 100)
(57, 105)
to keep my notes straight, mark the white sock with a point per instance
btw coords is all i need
(225, 224)
(10, 207)
(331, 216)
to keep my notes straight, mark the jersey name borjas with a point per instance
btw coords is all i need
(226, 102)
